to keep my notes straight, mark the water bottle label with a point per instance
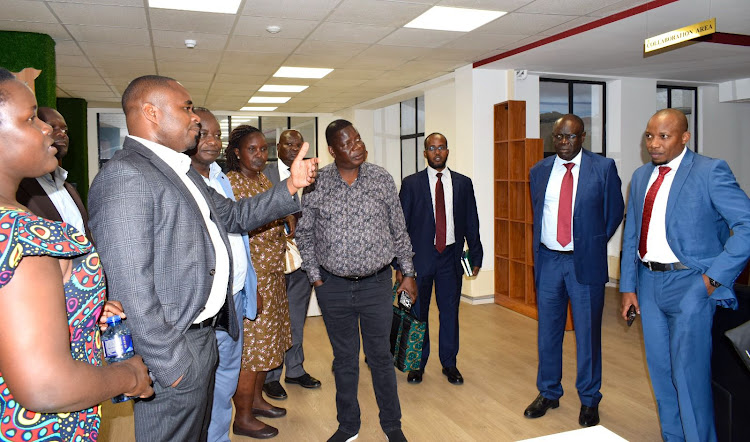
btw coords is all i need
(118, 346)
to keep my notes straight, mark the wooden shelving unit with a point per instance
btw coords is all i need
(514, 257)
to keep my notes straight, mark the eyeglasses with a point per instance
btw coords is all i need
(438, 148)
(569, 137)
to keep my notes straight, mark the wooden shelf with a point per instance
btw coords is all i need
(514, 256)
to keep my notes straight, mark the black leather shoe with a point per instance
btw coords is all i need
(589, 416)
(454, 376)
(274, 390)
(539, 407)
(305, 380)
(414, 377)
(266, 432)
(273, 412)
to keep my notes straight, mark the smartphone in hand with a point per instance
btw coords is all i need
(631, 315)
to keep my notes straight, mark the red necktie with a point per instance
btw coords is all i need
(439, 215)
(565, 209)
(648, 206)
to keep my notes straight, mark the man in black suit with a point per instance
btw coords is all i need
(298, 288)
(441, 212)
(50, 196)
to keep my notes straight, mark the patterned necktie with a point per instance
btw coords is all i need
(439, 215)
(648, 206)
(565, 209)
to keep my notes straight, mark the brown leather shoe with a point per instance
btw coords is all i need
(266, 432)
(272, 412)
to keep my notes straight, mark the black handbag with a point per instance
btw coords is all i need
(740, 337)
(407, 338)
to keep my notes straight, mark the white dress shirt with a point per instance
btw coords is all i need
(552, 202)
(284, 171)
(657, 248)
(235, 239)
(180, 163)
(450, 231)
(58, 194)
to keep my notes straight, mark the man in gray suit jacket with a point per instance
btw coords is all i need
(298, 288)
(162, 237)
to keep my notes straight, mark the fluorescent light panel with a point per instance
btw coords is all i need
(269, 99)
(259, 108)
(218, 6)
(291, 72)
(281, 88)
(443, 18)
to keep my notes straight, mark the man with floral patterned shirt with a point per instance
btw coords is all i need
(351, 228)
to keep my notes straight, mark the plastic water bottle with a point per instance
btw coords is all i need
(118, 346)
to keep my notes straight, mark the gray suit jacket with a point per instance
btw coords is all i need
(156, 251)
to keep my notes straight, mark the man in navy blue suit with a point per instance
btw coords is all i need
(578, 205)
(440, 212)
(679, 257)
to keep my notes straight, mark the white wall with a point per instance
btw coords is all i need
(723, 131)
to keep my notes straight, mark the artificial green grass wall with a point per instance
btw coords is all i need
(30, 50)
(76, 162)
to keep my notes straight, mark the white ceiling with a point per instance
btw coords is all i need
(103, 44)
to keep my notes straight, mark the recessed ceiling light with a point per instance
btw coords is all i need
(443, 18)
(281, 88)
(218, 6)
(290, 72)
(269, 99)
(258, 109)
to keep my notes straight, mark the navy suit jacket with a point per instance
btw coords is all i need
(416, 201)
(597, 212)
(704, 203)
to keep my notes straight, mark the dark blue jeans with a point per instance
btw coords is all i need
(346, 306)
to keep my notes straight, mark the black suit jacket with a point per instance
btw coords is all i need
(32, 195)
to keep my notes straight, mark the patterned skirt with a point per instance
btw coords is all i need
(269, 336)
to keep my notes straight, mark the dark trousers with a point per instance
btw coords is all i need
(298, 291)
(182, 413)
(346, 306)
(557, 284)
(677, 315)
(448, 297)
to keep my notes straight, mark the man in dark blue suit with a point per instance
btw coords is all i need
(578, 205)
(440, 212)
(679, 257)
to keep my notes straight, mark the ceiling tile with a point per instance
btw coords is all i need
(567, 26)
(61, 93)
(68, 47)
(617, 7)
(529, 24)
(492, 5)
(55, 31)
(565, 7)
(102, 34)
(326, 48)
(290, 28)
(317, 61)
(102, 2)
(234, 80)
(379, 63)
(355, 74)
(483, 42)
(301, 9)
(81, 88)
(186, 75)
(91, 78)
(176, 66)
(27, 11)
(393, 52)
(72, 60)
(100, 15)
(242, 43)
(74, 71)
(420, 38)
(176, 39)
(203, 22)
(189, 55)
(377, 12)
(350, 32)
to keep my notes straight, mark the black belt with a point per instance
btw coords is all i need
(210, 322)
(661, 267)
(359, 278)
(562, 252)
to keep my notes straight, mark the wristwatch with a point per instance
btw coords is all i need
(409, 275)
(713, 282)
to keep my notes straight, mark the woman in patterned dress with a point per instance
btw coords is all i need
(51, 297)
(269, 336)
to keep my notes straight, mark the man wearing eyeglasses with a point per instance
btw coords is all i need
(50, 196)
(577, 202)
(441, 212)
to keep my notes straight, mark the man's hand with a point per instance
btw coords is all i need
(628, 299)
(142, 388)
(176, 383)
(410, 285)
(399, 276)
(709, 287)
(303, 171)
(474, 271)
